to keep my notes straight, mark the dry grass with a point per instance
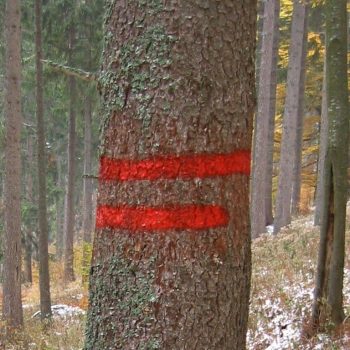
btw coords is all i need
(282, 290)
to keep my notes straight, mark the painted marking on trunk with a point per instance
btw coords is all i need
(175, 167)
(176, 217)
(186, 217)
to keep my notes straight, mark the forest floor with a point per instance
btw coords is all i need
(281, 299)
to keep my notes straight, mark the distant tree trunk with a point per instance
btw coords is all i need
(28, 247)
(260, 34)
(44, 277)
(319, 200)
(328, 296)
(11, 302)
(171, 260)
(300, 123)
(88, 187)
(69, 205)
(60, 206)
(290, 118)
(264, 121)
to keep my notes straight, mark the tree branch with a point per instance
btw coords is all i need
(71, 71)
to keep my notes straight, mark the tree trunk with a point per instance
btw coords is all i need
(60, 206)
(300, 123)
(171, 259)
(28, 248)
(328, 296)
(290, 119)
(319, 200)
(44, 278)
(264, 121)
(271, 129)
(88, 188)
(260, 34)
(12, 303)
(69, 205)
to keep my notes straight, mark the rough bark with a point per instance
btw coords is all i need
(12, 303)
(44, 278)
(300, 123)
(328, 296)
(290, 119)
(264, 121)
(319, 198)
(69, 202)
(178, 84)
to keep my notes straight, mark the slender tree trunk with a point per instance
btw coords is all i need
(44, 277)
(69, 205)
(28, 248)
(300, 123)
(260, 34)
(12, 303)
(60, 206)
(271, 135)
(290, 119)
(264, 121)
(328, 296)
(171, 260)
(319, 200)
(88, 187)
(27, 270)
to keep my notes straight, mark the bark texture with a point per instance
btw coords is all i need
(69, 202)
(12, 303)
(328, 296)
(177, 79)
(264, 121)
(290, 118)
(44, 278)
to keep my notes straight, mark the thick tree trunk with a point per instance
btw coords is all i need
(330, 269)
(44, 278)
(171, 260)
(88, 188)
(12, 303)
(290, 119)
(69, 203)
(264, 121)
(319, 200)
(300, 123)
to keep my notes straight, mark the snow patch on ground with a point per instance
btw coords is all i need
(280, 321)
(63, 311)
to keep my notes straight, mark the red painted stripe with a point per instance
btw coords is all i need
(187, 217)
(176, 167)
